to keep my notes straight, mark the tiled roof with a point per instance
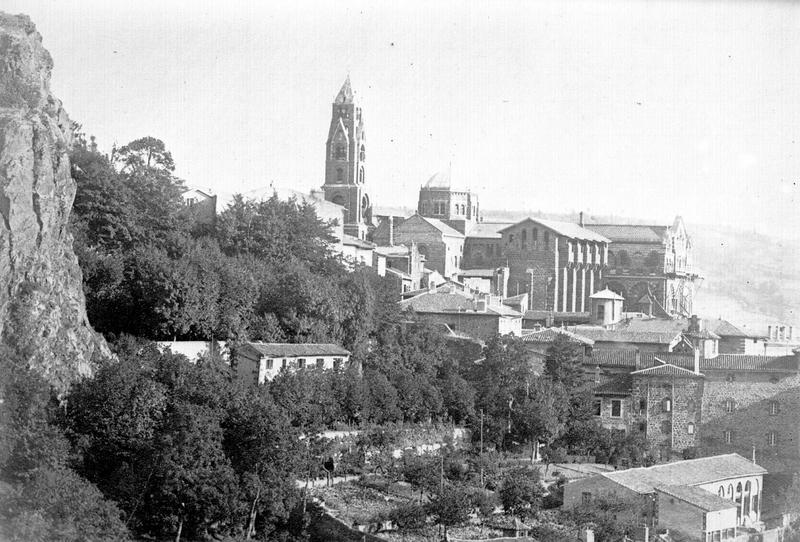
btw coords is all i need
(723, 362)
(615, 385)
(549, 335)
(666, 370)
(690, 472)
(441, 226)
(600, 334)
(480, 273)
(435, 302)
(621, 233)
(607, 294)
(659, 325)
(558, 316)
(705, 500)
(397, 272)
(487, 230)
(723, 328)
(567, 229)
(393, 250)
(288, 350)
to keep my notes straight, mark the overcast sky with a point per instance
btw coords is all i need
(642, 109)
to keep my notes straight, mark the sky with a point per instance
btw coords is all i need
(640, 109)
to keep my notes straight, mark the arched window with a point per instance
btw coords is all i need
(624, 259)
(524, 237)
(747, 498)
(772, 438)
(361, 175)
(464, 210)
(730, 491)
(339, 175)
(721, 491)
(361, 153)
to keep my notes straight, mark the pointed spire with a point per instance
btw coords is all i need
(345, 95)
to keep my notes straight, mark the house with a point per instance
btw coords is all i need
(478, 316)
(664, 491)
(201, 206)
(257, 362)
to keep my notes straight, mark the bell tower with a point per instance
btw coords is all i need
(345, 153)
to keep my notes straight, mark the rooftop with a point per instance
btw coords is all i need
(705, 500)
(288, 350)
(349, 240)
(441, 226)
(723, 362)
(487, 230)
(478, 273)
(548, 335)
(666, 369)
(455, 302)
(567, 229)
(630, 233)
(607, 294)
(624, 335)
(690, 472)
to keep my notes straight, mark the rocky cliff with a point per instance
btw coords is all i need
(42, 312)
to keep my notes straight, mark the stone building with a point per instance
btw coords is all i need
(440, 245)
(483, 246)
(477, 316)
(725, 489)
(345, 156)
(651, 266)
(559, 264)
(438, 199)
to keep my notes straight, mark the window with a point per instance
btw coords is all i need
(616, 408)
(729, 405)
(535, 234)
(339, 175)
(666, 405)
(690, 428)
(337, 363)
(727, 436)
(643, 404)
(524, 239)
(547, 239)
(721, 491)
(301, 363)
(320, 363)
(283, 364)
(598, 406)
(340, 152)
(773, 408)
(268, 365)
(624, 259)
(586, 497)
(601, 312)
(361, 154)
(772, 438)
(643, 427)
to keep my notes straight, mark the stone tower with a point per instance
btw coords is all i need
(344, 163)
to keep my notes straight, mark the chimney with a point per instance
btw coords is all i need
(391, 231)
(694, 325)
(580, 219)
(638, 359)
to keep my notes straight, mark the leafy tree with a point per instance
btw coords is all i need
(563, 362)
(521, 492)
(450, 506)
(612, 518)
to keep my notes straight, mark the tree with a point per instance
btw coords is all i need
(563, 362)
(521, 492)
(450, 506)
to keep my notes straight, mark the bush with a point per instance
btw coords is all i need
(408, 516)
(521, 492)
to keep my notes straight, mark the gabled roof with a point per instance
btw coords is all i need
(615, 385)
(630, 233)
(723, 362)
(567, 229)
(601, 334)
(607, 294)
(666, 369)
(435, 223)
(397, 272)
(550, 334)
(345, 95)
(477, 273)
(288, 350)
(723, 328)
(705, 500)
(690, 472)
(487, 230)
(456, 302)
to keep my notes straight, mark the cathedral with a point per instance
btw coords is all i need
(345, 154)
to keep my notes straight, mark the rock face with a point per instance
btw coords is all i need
(42, 307)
